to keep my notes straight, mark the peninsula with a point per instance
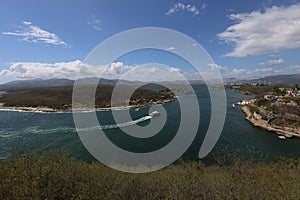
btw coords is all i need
(275, 108)
(59, 98)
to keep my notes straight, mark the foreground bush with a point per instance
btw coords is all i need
(58, 175)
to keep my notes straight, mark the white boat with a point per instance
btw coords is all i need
(233, 105)
(154, 114)
(281, 137)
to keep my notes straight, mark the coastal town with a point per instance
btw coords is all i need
(274, 108)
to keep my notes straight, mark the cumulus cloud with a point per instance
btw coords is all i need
(259, 32)
(119, 70)
(241, 73)
(183, 7)
(237, 72)
(31, 33)
(152, 73)
(215, 67)
(247, 73)
(259, 72)
(33, 70)
(294, 69)
(71, 70)
(272, 62)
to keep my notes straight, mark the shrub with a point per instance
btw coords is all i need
(58, 175)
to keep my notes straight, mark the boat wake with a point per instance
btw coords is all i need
(38, 130)
(104, 127)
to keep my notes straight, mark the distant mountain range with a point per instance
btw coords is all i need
(19, 84)
(282, 79)
(36, 83)
(275, 79)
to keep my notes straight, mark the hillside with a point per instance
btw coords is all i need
(35, 83)
(39, 83)
(275, 108)
(275, 79)
(278, 79)
(58, 175)
(289, 79)
(60, 97)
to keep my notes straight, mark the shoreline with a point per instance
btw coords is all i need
(267, 127)
(44, 109)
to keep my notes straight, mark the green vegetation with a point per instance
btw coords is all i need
(282, 110)
(61, 97)
(58, 175)
(253, 89)
(278, 92)
(262, 102)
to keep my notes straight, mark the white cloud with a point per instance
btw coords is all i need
(272, 62)
(70, 70)
(241, 73)
(293, 69)
(151, 73)
(237, 72)
(118, 70)
(27, 23)
(249, 73)
(252, 73)
(183, 7)
(94, 22)
(215, 67)
(35, 34)
(262, 70)
(211, 72)
(258, 32)
(33, 70)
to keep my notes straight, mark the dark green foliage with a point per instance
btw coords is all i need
(253, 109)
(260, 90)
(58, 175)
(262, 102)
(278, 92)
(53, 97)
(61, 97)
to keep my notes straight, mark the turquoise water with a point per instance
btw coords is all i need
(20, 131)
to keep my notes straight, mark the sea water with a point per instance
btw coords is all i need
(30, 131)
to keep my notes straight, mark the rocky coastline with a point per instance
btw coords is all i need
(283, 131)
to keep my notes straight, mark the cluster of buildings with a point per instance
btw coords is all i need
(270, 97)
(245, 102)
(291, 92)
(288, 92)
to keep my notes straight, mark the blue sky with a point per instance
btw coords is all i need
(41, 39)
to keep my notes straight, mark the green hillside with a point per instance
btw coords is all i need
(58, 175)
(61, 97)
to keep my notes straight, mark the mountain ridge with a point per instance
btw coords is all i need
(18, 84)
